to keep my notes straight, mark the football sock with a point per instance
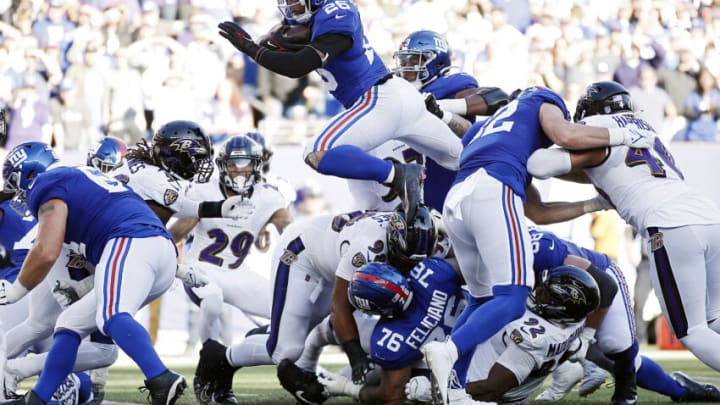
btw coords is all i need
(463, 362)
(59, 363)
(652, 377)
(624, 361)
(351, 162)
(319, 337)
(135, 341)
(506, 305)
(252, 351)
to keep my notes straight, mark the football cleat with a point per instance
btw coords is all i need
(440, 361)
(10, 382)
(695, 391)
(165, 389)
(625, 389)
(303, 385)
(593, 378)
(408, 183)
(212, 367)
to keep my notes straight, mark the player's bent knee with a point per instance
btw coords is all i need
(612, 344)
(313, 159)
(105, 354)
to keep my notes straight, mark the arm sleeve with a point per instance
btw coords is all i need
(608, 287)
(546, 163)
(300, 63)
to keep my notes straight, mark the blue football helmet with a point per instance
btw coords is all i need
(184, 150)
(423, 57)
(299, 11)
(239, 162)
(267, 152)
(108, 154)
(566, 294)
(409, 243)
(23, 163)
(380, 289)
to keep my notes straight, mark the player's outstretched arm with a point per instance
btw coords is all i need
(576, 136)
(543, 213)
(347, 332)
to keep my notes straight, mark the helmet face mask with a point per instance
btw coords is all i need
(603, 98)
(299, 11)
(184, 150)
(109, 154)
(566, 294)
(239, 162)
(379, 289)
(422, 57)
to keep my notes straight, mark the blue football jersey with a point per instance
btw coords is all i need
(439, 179)
(550, 251)
(100, 208)
(504, 142)
(354, 71)
(13, 228)
(436, 303)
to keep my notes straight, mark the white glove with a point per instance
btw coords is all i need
(587, 337)
(66, 293)
(338, 385)
(191, 276)
(419, 389)
(632, 137)
(237, 207)
(11, 292)
(597, 203)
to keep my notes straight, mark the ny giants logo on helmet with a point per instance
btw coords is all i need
(17, 158)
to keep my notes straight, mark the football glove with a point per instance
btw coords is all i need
(237, 207)
(5, 257)
(632, 137)
(66, 293)
(11, 292)
(419, 389)
(360, 363)
(239, 38)
(192, 277)
(338, 385)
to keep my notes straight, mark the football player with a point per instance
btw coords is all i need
(314, 263)
(613, 330)
(378, 107)
(132, 253)
(108, 154)
(220, 245)
(514, 362)
(484, 216)
(680, 224)
(414, 308)
(424, 59)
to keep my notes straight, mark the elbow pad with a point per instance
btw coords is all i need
(608, 286)
(546, 163)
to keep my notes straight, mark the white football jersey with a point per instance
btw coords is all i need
(337, 245)
(154, 184)
(224, 243)
(645, 185)
(530, 347)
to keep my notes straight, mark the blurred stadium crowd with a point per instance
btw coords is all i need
(72, 71)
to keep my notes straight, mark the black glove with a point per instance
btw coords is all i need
(494, 98)
(359, 361)
(431, 105)
(239, 38)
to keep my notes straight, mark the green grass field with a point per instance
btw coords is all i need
(259, 385)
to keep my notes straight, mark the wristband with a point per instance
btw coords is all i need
(446, 117)
(616, 136)
(210, 209)
(15, 291)
(454, 105)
